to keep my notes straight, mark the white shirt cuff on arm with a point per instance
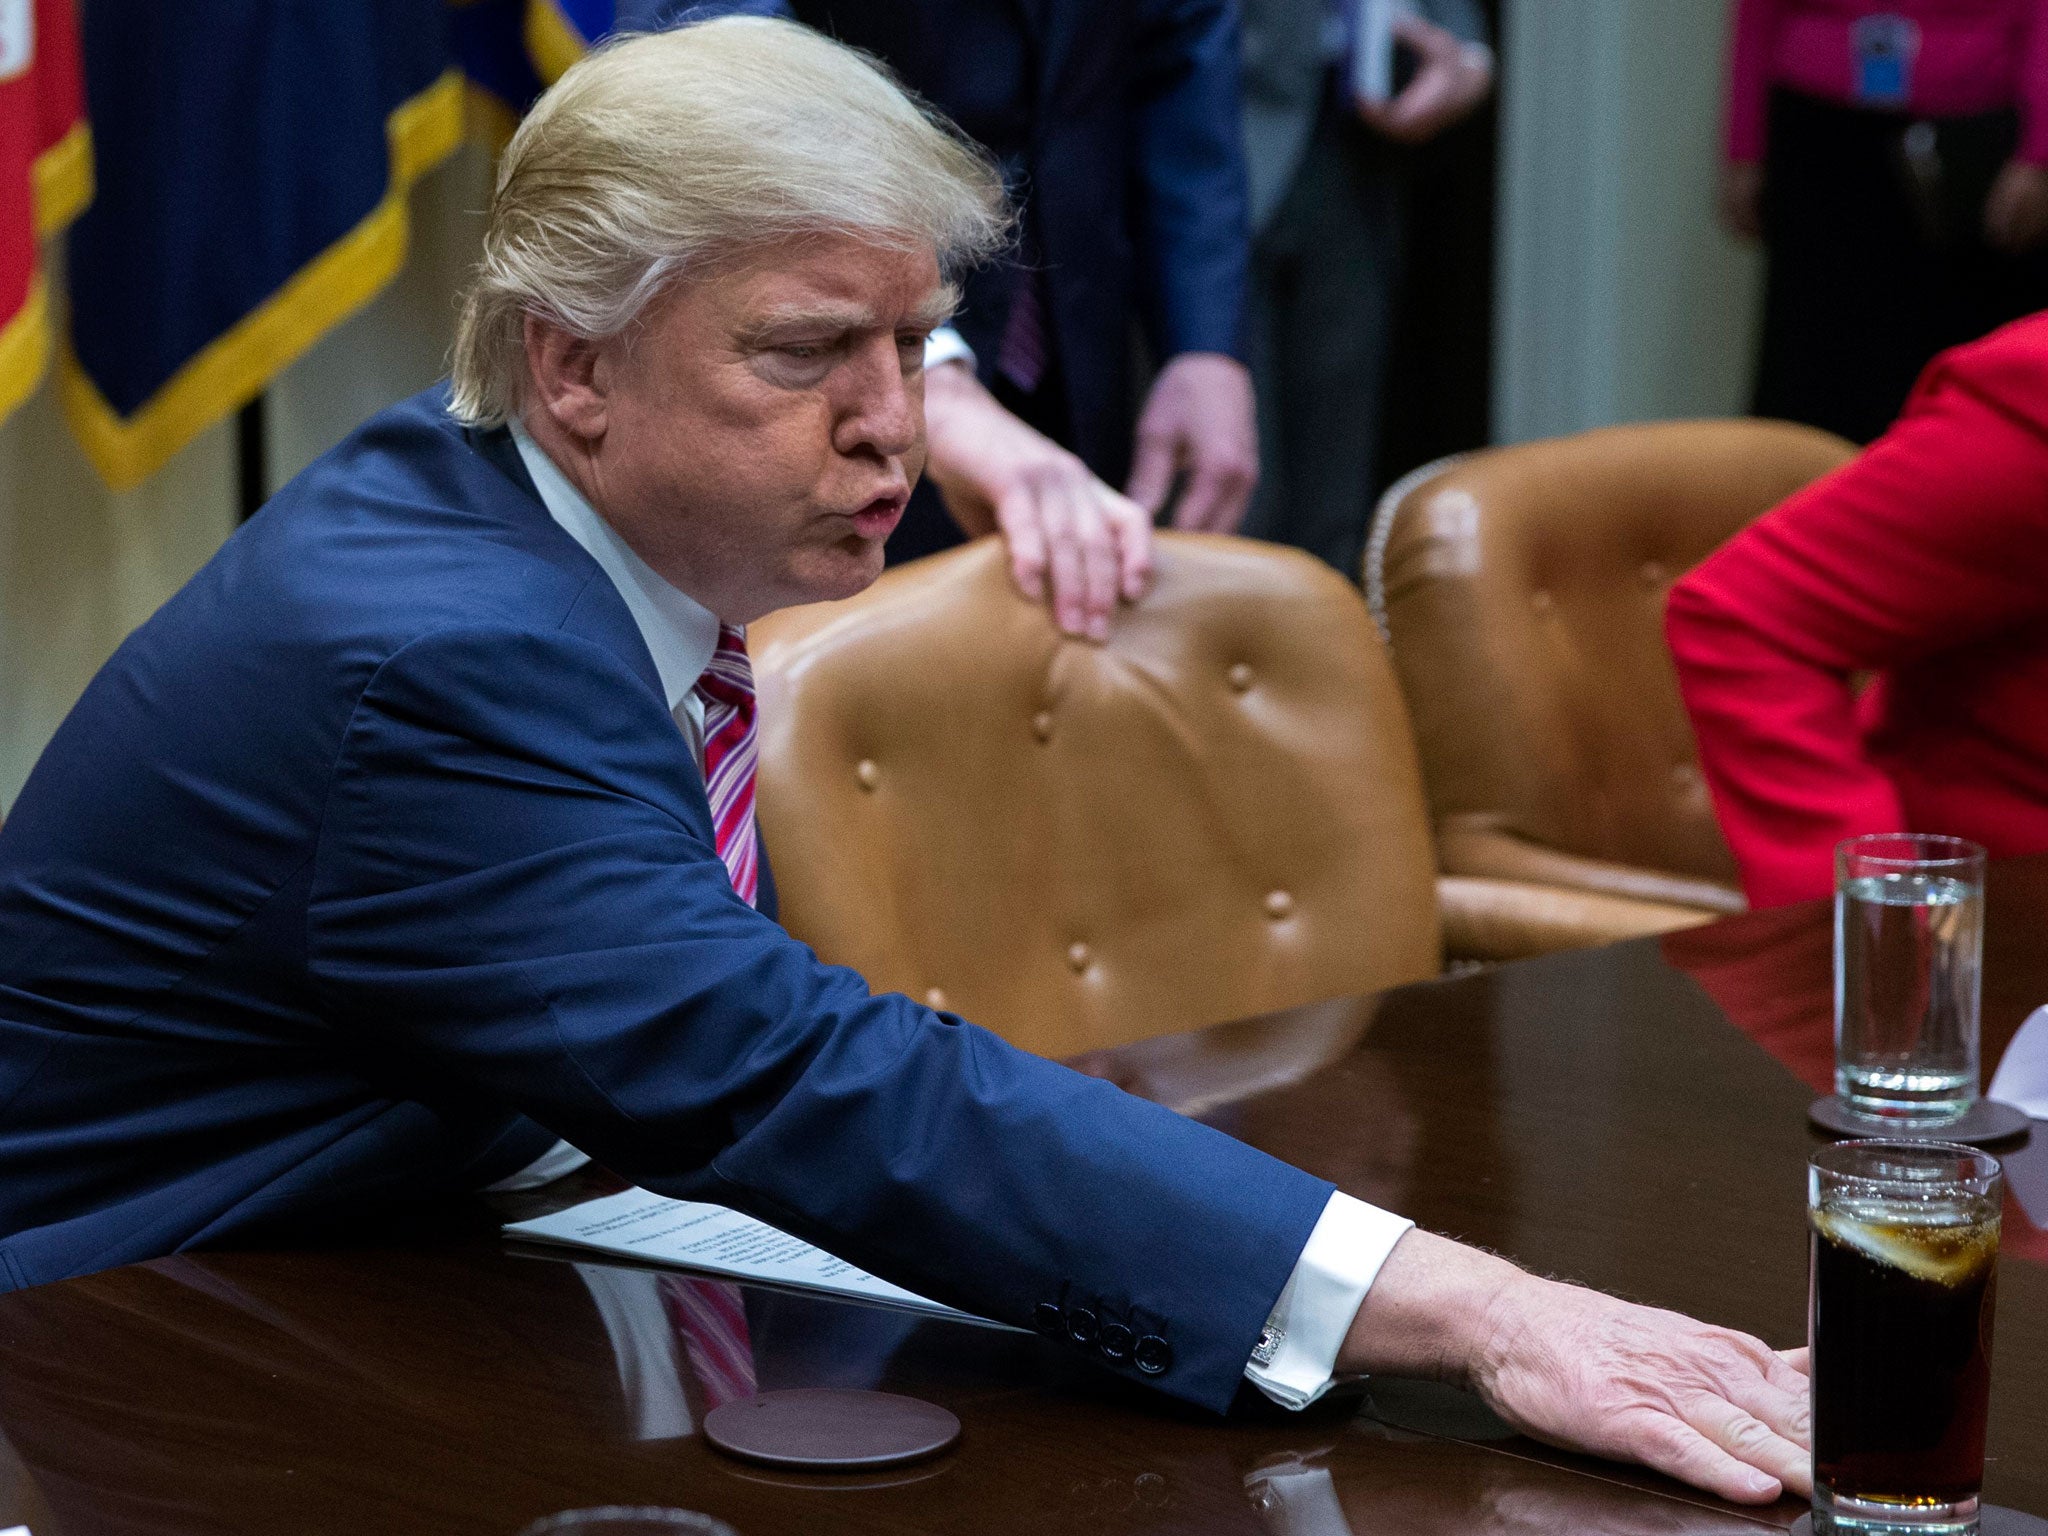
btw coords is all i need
(1296, 1361)
(945, 346)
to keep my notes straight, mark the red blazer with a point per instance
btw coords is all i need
(1923, 562)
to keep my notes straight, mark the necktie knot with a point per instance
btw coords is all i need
(728, 678)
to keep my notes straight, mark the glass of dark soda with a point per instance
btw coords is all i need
(1899, 1305)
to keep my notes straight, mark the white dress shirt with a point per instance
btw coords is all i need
(1296, 1359)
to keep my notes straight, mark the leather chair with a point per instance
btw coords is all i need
(1522, 590)
(1216, 814)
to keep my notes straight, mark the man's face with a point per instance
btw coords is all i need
(763, 425)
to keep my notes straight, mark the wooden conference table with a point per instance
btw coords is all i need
(1598, 1115)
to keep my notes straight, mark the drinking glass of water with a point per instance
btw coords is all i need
(1909, 962)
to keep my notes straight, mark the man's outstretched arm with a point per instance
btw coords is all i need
(516, 889)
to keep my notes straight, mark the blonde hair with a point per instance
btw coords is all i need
(660, 155)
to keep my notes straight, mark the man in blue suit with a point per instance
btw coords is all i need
(1115, 123)
(410, 848)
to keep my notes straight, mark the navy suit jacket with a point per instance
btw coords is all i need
(1116, 123)
(374, 861)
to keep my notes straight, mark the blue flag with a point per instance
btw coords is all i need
(253, 165)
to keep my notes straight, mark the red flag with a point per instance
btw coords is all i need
(45, 175)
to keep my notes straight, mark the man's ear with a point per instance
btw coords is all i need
(570, 378)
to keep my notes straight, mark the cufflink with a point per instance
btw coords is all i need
(1270, 1339)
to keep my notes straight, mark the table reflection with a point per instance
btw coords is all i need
(1320, 1494)
(465, 1392)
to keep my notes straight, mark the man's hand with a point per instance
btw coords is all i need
(1577, 1369)
(1741, 195)
(1063, 526)
(2016, 212)
(1452, 79)
(1199, 419)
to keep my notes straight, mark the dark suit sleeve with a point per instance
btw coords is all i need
(515, 889)
(1190, 221)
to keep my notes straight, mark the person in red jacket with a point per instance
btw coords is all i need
(1924, 563)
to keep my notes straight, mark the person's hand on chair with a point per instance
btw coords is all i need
(1073, 541)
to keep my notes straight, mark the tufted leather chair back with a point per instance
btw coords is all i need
(1216, 814)
(1523, 591)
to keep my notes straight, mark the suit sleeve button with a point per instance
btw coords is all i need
(1153, 1355)
(1047, 1318)
(1081, 1325)
(1116, 1343)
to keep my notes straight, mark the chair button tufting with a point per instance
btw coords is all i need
(1077, 957)
(1279, 904)
(1041, 725)
(1241, 676)
(867, 773)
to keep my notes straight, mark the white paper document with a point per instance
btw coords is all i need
(2022, 1076)
(2022, 1081)
(657, 1230)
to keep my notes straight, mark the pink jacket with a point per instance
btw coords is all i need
(1969, 56)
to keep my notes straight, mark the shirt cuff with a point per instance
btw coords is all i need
(946, 346)
(1296, 1361)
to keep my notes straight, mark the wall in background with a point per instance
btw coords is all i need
(80, 567)
(1619, 298)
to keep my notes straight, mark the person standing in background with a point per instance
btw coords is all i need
(1328, 173)
(1893, 159)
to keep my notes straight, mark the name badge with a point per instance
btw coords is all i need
(1885, 48)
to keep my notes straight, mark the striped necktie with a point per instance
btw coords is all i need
(727, 689)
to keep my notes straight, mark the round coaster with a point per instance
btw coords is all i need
(1987, 1121)
(1994, 1521)
(830, 1429)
